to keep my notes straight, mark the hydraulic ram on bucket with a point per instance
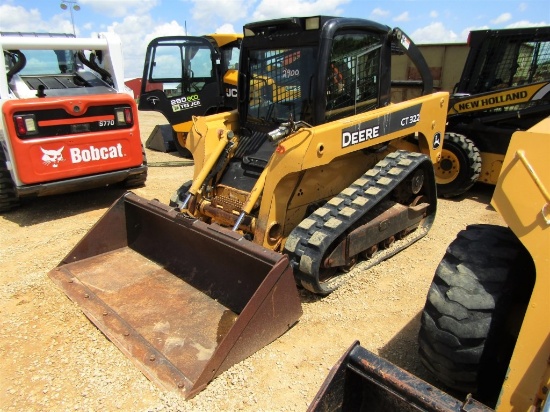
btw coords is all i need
(182, 299)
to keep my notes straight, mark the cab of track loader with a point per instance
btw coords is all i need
(318, 69)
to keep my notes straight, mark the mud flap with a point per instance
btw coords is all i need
(362, 381)
(184, 300)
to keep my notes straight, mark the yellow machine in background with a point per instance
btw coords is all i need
(485, 328)
(186, 76)
(504, 87)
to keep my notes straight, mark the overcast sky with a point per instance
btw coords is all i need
(138, 21)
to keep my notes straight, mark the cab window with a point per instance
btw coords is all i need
(353, 75)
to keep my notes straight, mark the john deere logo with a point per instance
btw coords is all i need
(437, 140)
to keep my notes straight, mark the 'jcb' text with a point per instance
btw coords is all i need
(360, 136)
(94, 153)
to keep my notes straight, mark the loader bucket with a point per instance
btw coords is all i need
(161, 139)
(184, 300)
(362, 381)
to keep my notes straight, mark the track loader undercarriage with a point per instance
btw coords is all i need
(372, 219)
(383, 206)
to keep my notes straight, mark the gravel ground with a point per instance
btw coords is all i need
(53, 358)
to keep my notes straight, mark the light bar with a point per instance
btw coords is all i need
(25, 125)
(123, 116)
(313, 23)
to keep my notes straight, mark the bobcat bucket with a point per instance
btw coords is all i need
(363, 381)
(184, 300)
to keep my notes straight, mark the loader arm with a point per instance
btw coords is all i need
(332, 148)
(304, 172)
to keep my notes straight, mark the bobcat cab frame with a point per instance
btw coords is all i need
(186, 76)
(315, 170)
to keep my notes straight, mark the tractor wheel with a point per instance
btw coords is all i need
(182, 151)
(137, 180)
(8, 195)
(474, 310)
(459, 167)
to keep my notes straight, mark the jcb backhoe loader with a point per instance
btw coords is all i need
(315, 170)
(485, 329)
(186, 76)
(504, 87)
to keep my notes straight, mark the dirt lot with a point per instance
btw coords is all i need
(53, 358)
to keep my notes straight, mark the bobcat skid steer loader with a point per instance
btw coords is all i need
(314, 171)
(67, 121)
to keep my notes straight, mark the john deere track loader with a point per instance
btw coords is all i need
(504, 87)
(314, 171)
(186, 76)
(485, 329)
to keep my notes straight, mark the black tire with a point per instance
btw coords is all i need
(8, 195)
(467, 332)
(182, 151)
(459, 167)
(137, 180)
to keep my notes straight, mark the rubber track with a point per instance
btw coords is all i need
(8, 194)
(312, 238)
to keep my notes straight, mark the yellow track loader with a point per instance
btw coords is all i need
(485, 333)
(314, 171)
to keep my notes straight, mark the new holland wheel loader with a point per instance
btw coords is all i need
(186, 76)
(484, 332)
(504, 87)
(314, 171)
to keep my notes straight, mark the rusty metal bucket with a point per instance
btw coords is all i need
(363, 381)
(182, 299)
